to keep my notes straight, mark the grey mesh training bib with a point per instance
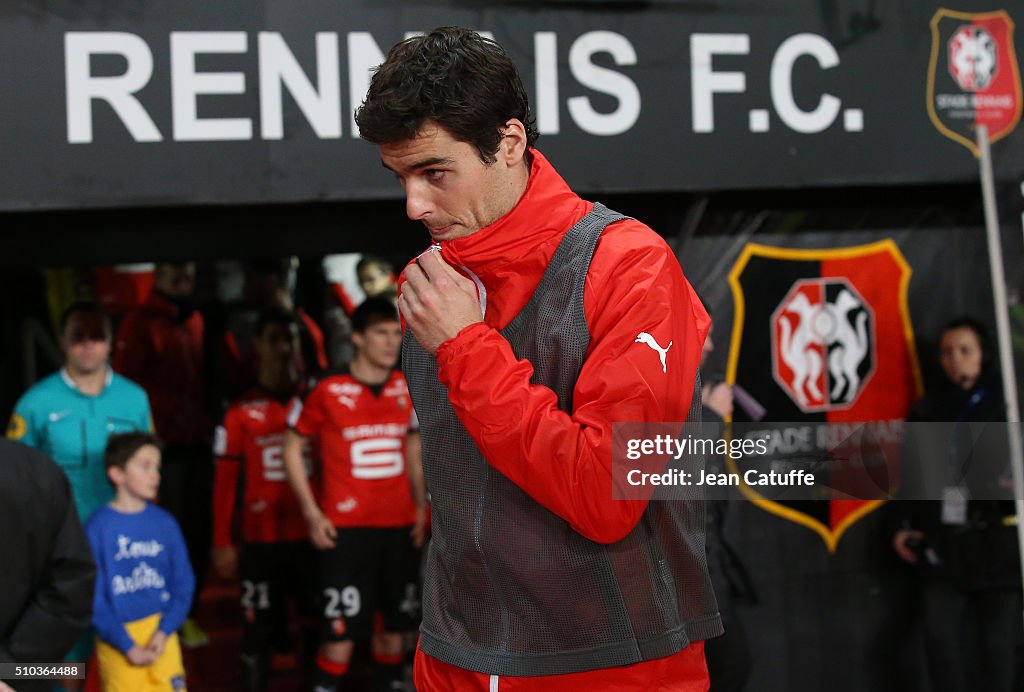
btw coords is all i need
(512, 589)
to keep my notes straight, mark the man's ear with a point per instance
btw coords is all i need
(512, 147)
(115, 474)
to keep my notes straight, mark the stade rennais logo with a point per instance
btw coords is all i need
(973, 76)
(822, 336)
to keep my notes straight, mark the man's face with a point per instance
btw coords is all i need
(175, 280)
(86, 342)
(261, 289)
(379, 343)
(277, 344)
(960, 356)
(447, 186)
(374, 280)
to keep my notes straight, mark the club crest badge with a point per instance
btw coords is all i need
(823, 349)
(973, 76)
(823, 336)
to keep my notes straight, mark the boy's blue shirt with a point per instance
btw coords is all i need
(142, 568)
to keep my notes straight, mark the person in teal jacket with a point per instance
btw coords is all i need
(70, 414)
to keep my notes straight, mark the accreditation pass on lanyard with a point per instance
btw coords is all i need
(954, 506)
(954, 498)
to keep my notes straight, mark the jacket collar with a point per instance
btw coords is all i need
(66, 376)
(520, 244)
(161, 304)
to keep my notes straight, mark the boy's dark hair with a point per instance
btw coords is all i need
(121, 448)
(83, 307)
(453, 76)
(275, 315)
(371, 311)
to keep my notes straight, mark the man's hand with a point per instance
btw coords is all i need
(321, 531)
(139, 656)
(4, 687)
(225, 561)
(157, 643)
(419, 528)
(899, 543)
(718, 398)
(437, 302)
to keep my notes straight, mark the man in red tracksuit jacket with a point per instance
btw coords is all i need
(159, 344)
(536, 321)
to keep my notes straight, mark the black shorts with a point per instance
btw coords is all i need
(272, 574)
(369, 571)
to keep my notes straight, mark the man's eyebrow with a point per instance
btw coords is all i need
(425, 163)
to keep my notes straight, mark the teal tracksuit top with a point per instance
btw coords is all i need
(72, 428)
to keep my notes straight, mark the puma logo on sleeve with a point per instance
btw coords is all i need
(645, 338)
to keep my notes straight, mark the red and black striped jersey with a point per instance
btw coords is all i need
(250, 455)
(362, 432)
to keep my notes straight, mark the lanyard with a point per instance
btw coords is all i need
(958, 470)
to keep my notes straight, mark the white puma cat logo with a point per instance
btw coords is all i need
(645, 338)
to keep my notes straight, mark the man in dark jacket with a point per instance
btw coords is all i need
(160, 346)
(49, 574)
(959, 525)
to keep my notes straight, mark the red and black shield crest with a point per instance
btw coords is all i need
(823, 336)
(973, 76)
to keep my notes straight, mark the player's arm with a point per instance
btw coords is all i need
(228, 450)
(296, 471)
(304, 420)
(224, 553)
(562, 460)
(414, 462)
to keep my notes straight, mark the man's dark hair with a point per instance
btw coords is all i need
(371, 311)
(275, 315)
(121, 448)
(374, 261)
(83, 307)
(453, 76)
(279, 268)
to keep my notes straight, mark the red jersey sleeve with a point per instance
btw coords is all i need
(307, 415)
(316, 335)
(564, 461)
(229, 448)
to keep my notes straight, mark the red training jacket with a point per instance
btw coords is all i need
(634, 285)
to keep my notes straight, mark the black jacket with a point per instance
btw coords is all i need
(47, 572)
(983, 552)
